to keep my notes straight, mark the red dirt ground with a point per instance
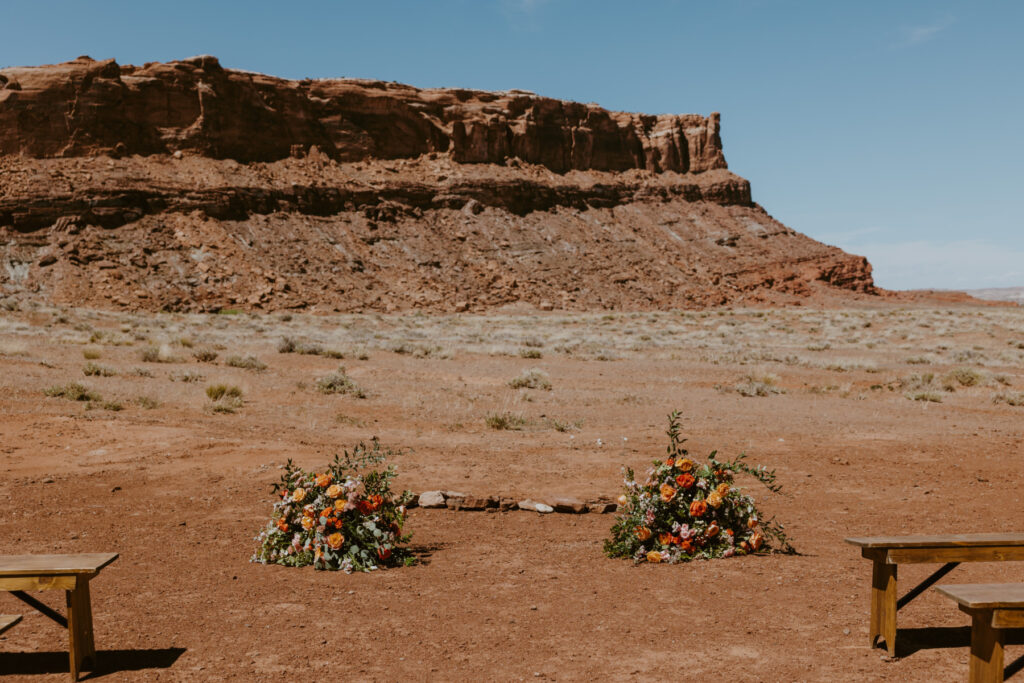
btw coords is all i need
(180, 493)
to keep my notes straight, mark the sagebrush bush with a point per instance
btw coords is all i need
(94, 370)
(246, 363)
(505, 420)
(205, 355)
(73, 392)
(531, 379)
(338, 382)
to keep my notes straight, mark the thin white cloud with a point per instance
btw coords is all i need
(963, 264)
(922, 33)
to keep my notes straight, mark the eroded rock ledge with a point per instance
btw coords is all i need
(87, 107)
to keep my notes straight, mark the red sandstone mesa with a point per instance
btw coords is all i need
(187, 186)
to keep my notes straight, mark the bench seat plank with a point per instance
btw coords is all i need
(939, 540)
(8, 620)
(49, 565)
(977, 596)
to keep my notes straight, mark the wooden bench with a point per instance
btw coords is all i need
(888, 552)
(8, 620)
(70, 573)
(993, 607)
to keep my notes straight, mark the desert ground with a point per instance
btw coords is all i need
(880, 420)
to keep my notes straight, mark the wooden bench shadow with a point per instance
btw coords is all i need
(940, 637)
(110, 661)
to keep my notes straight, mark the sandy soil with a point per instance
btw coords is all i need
(180, 491)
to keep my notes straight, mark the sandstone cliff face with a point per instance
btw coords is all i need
(88, 107)
(185, 186)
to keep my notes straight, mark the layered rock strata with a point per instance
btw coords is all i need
(186, 186)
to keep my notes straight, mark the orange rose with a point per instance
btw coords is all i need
(712, 530)
(340, 504)
(687, 546)
(326, 512)
(752, 522)
(698, 508)
(686, 465)
(323, 480)
(383, 553)
(298, 495)
(666, 539)
(643, 533)
(654, 556)
(667, 493)
(670, 462)
(722, 489)
(335, 541)
(282, 525)
(333, 491)
(308, 523)
(714, 500)
(756, 541)
(685, 481)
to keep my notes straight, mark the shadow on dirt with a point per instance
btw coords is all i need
(110, 661)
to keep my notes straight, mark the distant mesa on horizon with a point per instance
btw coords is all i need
(1011, 294)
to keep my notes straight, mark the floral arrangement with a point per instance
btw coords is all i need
(344, 518)
(687, 511)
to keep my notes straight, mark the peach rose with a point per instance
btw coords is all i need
(685, 481)
(667, 493)
(670, 462)
(714, 500)
(698, 508)
(282, 525)
(323, 480)
(723, 489)
(333, 491)
(299, 495)
(686, 465)
(340, 504)
(622, 500)
(712, 530)
(654, 556)
(756, 541)
(643, 533)
(308, 523)
(752, 522)
(335, 541)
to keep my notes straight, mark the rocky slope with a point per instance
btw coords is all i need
(187, 186)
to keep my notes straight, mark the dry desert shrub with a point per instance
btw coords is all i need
(930, 396)
(73, 392)
(205, 355)
(531, 379)
(505, 421)
(91, 354)
(146, 402)
(94, 370)
(1009, 398)
(338, 382)
(530, 353)
(757, 384)
(161, 354)
(224, 398)
(246, 363)
(187, 376)
(290, 345)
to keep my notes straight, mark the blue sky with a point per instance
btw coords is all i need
(891, 129)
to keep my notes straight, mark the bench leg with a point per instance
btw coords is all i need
(883, 604)
(81, 646)
(986, 664)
